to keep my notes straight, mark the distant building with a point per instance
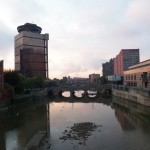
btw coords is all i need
(94, 78)
(138, 75)
(125, 59)
(114, 78)
(64, 79)
(1, 78)
(31, 51)
(108, 68)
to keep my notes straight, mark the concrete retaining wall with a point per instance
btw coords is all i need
(141, 96)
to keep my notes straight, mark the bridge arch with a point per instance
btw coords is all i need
(101, 90)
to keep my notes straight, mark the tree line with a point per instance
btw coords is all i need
(18, 83)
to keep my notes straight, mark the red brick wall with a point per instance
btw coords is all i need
(1, 76)
(1, 79)
(120, 61)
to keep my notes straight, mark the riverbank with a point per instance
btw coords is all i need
(134, 94)
(10, 102)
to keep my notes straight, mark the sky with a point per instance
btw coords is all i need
(83, 34)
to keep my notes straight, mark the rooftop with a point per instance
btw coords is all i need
(30, 28)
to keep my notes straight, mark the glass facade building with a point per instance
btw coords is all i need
(31, 51)
(125, 59)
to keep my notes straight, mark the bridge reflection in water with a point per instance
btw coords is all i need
(124, 125)
(81, 96)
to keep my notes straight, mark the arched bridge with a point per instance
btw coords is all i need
(57, 90)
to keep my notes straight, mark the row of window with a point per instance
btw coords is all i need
(130, 77)
(29, 41)
(128, 52)
(131, 83)
(33, 66)
(31, 57)
(29, 50)
(141, 76)
(129, 59)
(34, 73)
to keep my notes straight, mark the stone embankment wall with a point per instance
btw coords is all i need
(138, 95)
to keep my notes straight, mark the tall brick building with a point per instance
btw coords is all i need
(125, 59)
(1, 78)
(31, 51)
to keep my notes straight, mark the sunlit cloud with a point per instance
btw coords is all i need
(83, 34)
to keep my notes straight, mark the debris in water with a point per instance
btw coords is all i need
(80, 131)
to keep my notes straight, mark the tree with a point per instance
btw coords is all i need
(14, 79)
(103, 80)
(37, 81)
(19, 82)
(34, 82)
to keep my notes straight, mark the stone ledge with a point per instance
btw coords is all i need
(33, 144)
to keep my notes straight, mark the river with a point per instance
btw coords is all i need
(116, 125)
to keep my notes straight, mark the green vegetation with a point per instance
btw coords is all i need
(103, 80)
(19, 84)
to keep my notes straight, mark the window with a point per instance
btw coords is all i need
(134, 77)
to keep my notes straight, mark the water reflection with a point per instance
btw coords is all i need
(69, 113)
(131, 115)
(79, 93)
(92, 93)
(66, 94)
(18, 126)
(119, 127)
(12, 140)
(122, 125)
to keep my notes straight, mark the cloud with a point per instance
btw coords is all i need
(83, 33)
(138, 13)
(5, 37)
(135, 26)
(6, 45)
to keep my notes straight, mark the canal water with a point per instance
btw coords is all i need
(65, 125)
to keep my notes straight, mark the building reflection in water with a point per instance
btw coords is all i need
(125, 123)
(48, 120)
(18, 126)
(131, 115)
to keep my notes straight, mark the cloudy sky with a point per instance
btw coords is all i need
(83, 33)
